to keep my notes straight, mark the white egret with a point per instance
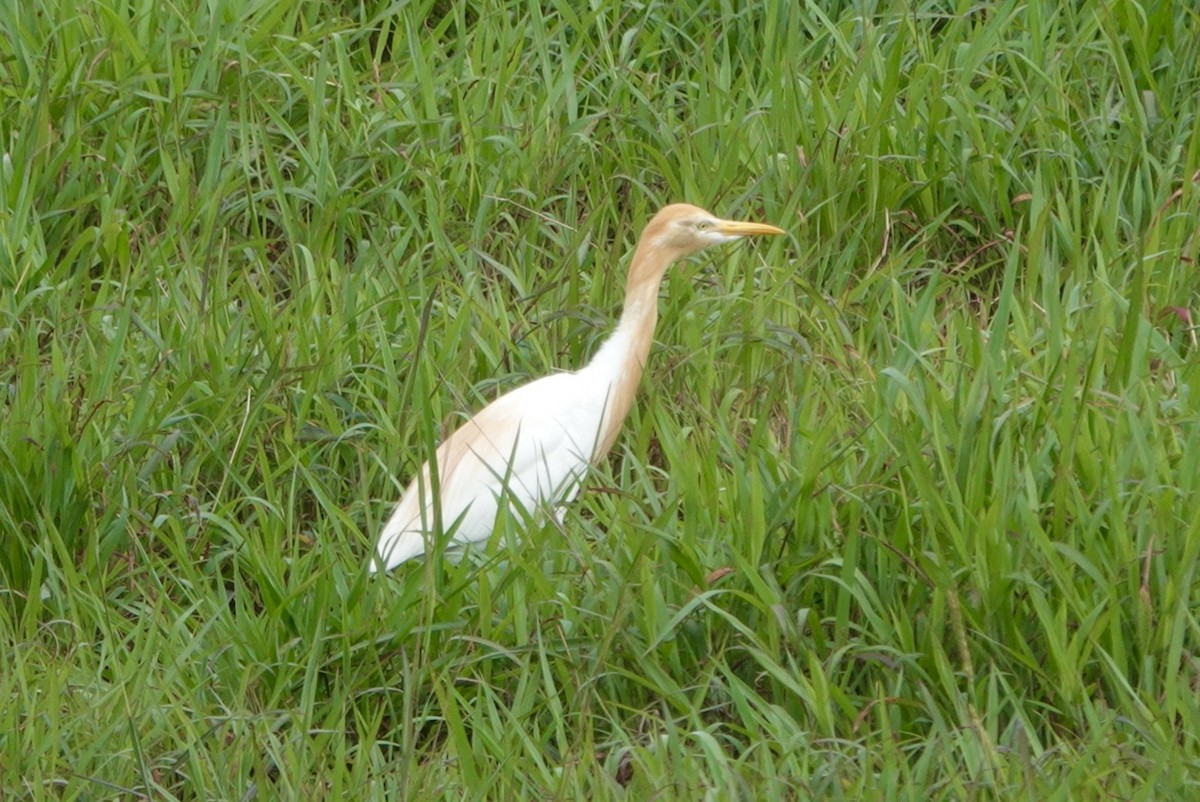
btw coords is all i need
(531, 447)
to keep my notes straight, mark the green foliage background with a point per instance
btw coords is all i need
(908, 508)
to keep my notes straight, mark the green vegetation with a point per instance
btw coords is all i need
(910, 504)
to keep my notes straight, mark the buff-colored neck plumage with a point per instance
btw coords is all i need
(622, 357)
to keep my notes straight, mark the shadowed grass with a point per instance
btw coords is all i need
(906, 509)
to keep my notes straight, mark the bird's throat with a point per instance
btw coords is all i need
(622, 357)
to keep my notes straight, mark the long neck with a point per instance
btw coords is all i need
(622, 357)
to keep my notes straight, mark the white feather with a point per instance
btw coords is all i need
(530, 447)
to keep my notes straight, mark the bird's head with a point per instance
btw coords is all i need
(682, 229)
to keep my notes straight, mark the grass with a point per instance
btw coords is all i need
(906, 510)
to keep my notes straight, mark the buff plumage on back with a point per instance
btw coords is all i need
(519, 449)
(531, 448)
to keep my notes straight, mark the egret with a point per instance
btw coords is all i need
(530, 448)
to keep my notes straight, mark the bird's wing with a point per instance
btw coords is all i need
(530, 446)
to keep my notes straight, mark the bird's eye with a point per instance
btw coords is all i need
(702, 225)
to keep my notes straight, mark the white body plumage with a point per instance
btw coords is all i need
(531, 446)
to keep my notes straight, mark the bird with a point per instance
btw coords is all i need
(532, 447)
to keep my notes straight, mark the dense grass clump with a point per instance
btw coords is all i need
(910, 504)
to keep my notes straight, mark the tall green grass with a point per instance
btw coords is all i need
(908, 508)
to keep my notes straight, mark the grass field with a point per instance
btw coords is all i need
(909, 507)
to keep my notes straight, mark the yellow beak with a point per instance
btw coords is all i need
(738, 228)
